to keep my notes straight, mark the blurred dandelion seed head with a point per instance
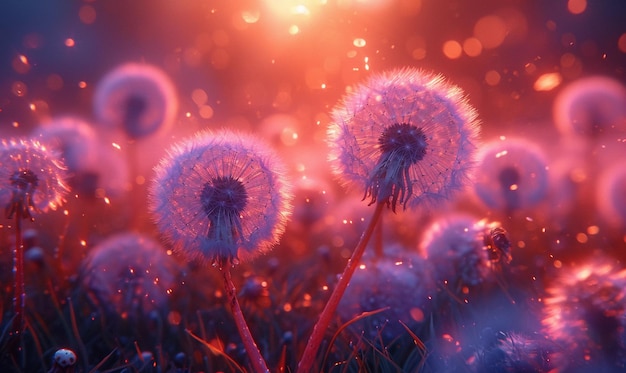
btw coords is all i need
(454, 245)
(585, 312)
(139, 98)
(511, 174)
(404, 136)
(221, 196)
(129, 275)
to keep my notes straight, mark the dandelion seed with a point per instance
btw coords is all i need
(220, 197)
(138, 98)
(511, 175)
(404, 136)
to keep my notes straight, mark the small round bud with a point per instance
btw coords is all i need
(65, 357)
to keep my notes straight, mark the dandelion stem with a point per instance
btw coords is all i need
(321, 326)
(257, 361)
(18, 270)
(378, 240)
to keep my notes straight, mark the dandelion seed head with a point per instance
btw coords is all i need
(73, 138)
(404, 136)
(221, 196)
(511, 174)
(129, 275)
(585, 312)
(32, 177)
(139, 98)
(402, 285)
(591, 106)
(454, 245)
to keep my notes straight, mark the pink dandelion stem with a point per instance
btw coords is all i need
(256, 359)
(19, 298)
(321, 326)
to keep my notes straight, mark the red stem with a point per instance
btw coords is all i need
(257, 361)
(320, 328)
(18, 271)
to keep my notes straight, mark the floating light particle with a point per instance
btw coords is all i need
(69, 42)
(557, 264)
(83, 243)
(576, 6)
(107, 200)
(582, 238)
(359, 42)
(82, 84)
(20, 64)
(15, 124)
(116, 146)
(418, 53)
(548, 82)
(472, 47)
(501, 154)
(491, 31)
(205, 112)
(250, 16)
(87, 14)
(289, 137)
(530, 68)
(492, 78)
(54, 82)
(568, 60)
(452, 49)
(294, 30)
(300, 9)
(199, 96)
(593, 230)
(19, 89)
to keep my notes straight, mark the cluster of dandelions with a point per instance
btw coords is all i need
(403, 137)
